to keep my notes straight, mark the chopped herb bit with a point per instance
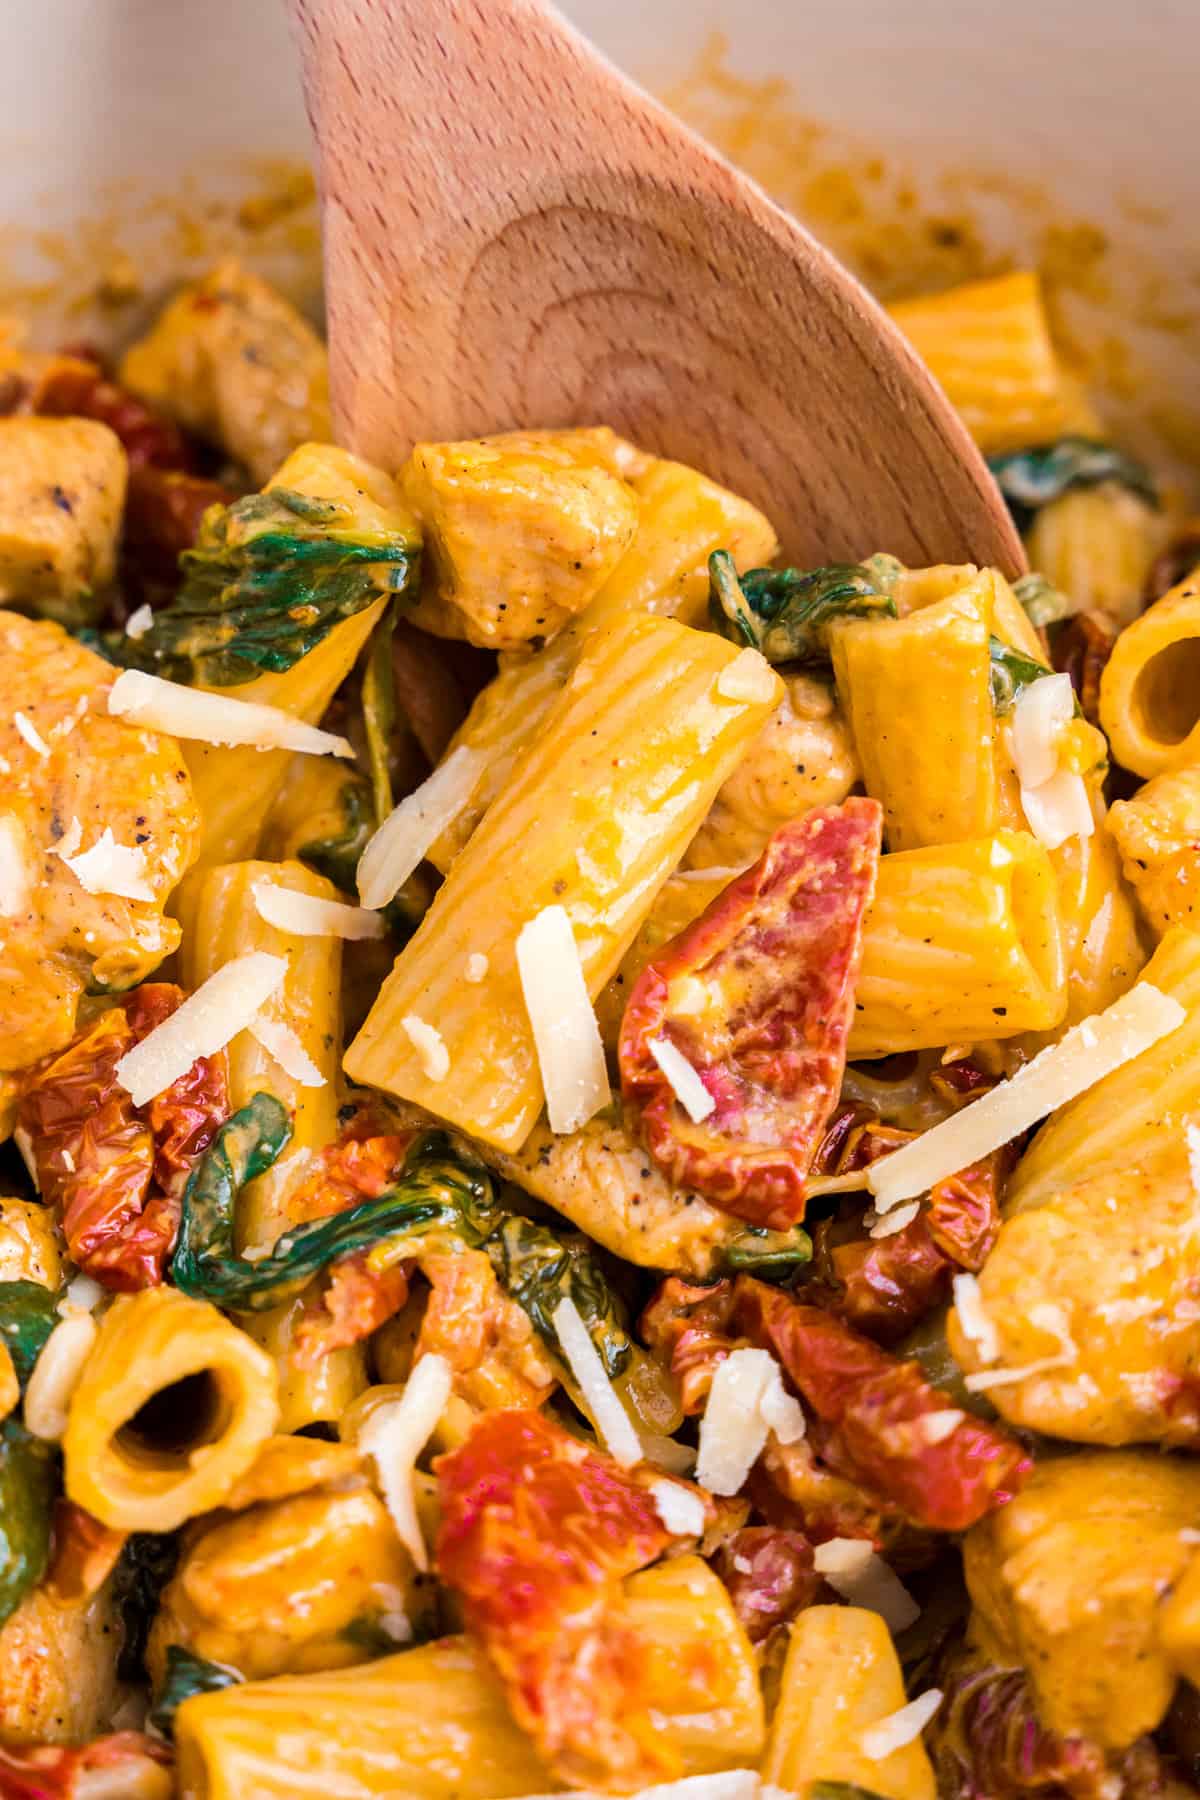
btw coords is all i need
(785, 613)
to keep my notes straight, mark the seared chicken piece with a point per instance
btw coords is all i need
(1067, 1581)
(233, 361)
(520, 532)
(1100, 1286)
(62, 490)
(71, 773)
(802, 758)
(1158, 835)
(58, 1669)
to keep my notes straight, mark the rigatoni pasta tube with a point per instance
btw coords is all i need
(220, 919)
(1097, 544)
(917, 697)
(961, 942)
(143, 1451)
(597, 814)
(988, 343)
(1138, 1111)
(432, 1723)
(1150, 688)
(841, 1677)
(683, 517)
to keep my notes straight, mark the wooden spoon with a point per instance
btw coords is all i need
(516, 235)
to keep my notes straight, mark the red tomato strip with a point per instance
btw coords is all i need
(871, 1411)
(758, 995)
(114, 1171)
(770, 1577)
(537, 1533)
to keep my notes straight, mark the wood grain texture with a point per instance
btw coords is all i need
(517, 235)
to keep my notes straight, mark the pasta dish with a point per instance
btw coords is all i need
(601, 1137)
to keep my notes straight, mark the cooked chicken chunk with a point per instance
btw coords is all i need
(233, 361)
(1067, 1581)
(1099, 1286)
(62, 489)
(1158, 835)
(71, 774)
(58, 1669)
(520, 532)
(802, 758)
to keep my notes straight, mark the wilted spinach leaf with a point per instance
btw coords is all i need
(187, 1674)
(785, 613)
(1030, 479)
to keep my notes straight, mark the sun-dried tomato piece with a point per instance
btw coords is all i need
(52, 1771)
(690, 1328)
(758, 995)
(163, 510)
(116, 1172)
(537, 1532)
(486, 1337)
(791, 1490)
(361, 1165)
(770, 1577)
(1080, 647)
(873, 1415)
(355, 1301)
(78, 388)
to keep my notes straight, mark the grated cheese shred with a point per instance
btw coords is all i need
(855, 1570)
(429, 1045)
(684, 1080)
(56, 1375)
(395, 1435)
(680, 1510)
(1084, 1056)
(747, 1401)
(221, 1007)
(111, 868)
(565, 1033)
(903, 1727)
(414, 826)
(748, 677)
(307, 915)
(280, 1041)
(609, 1416)
(185, 712)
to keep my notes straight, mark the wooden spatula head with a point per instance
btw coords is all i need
(515, 235)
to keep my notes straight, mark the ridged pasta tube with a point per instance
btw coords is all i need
(682, 518)
(841, 1677)
(917, 697)
(1150, 689)
(1097, 544)
(594, 819)
(988, 343)
(221, 921)
(432, 1723)
(142, 1451)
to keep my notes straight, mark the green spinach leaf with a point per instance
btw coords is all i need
(187, 1674)
(28, 1486)
(785, 613)
(28, 1314)
(1043, 603)
(1030, 479)
(775, 1256)
(1010, 673)
(267, 580)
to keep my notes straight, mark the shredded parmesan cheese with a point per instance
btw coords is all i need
(936, 1427)
(111, 868)
(429, 1045)
(82, 1294)
(746, 1401)
(565, 1033)
(16, 876)
(854, 1569)
(186, 712)
(221, 1007)
(748, 677)
(138, 623)
(608, 1415)
(56, 1375)
(32, 736)
(1086, 1054)
(412, 827)
(281, 1042)
(890, 1223)
(1042, 713)
(680, 1510)
(395, 1435)
(685, 1083)
(977, 1324)
(477, 967)
(307, 915)
(1059, 809)
(903, 1727)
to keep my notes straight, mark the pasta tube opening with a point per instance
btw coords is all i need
(1150, 690)
(172, 1407)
